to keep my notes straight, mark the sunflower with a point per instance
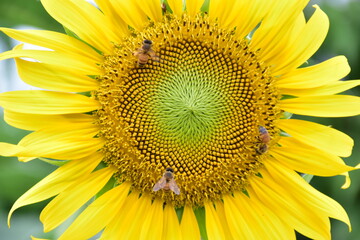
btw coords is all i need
(174, 118)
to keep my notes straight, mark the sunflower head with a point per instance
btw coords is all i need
(186, 106)
(196, 108)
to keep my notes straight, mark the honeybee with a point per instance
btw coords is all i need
(167, 182)
(264, 135)
(144, 53)
(264, 139)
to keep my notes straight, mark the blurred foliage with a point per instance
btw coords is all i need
(16, 177)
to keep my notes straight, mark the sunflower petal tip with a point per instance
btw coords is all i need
(347, 183)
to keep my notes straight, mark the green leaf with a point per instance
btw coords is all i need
(54, 162)
(200, 217)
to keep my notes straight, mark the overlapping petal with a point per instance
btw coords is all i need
(307, 42)
(73, 197)
(130, 12)
(57, 181)
(213, 224)
(297, 214)
(317, 75)
(306, 159)
(56, 41)
(85, 20)
(310, 196)
(98, 214)
(63, 60)
(54, 77)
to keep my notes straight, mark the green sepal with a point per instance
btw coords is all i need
(307, 177)
(179, 213)
(54, 162)
(286, 115)
(205, 7)
(200, 217)
(284, 134)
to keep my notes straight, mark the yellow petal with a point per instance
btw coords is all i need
(308, 41)
(273, 32)
(268, 225)
(130, 12)
(53, 77)
(328, 89)
(46, 102)
(323, 106)
(171, 224)
(273, 226)
(317, 75)
(33, 122)
(189, 225)
(80, 64)
(55, 41)
(239, 226)
(85, 20)
(220, 210)
(57, 181)
(131, 206)
(152, 226)
(193, 6)
(297, 214)
(8, 150)
(98, 214)
(75, 142)
(176, 6)
(246, 15)
(306, 159)
(76, 195)
(213, 225)
(317, 201)
(347, 183)
(319, 136)
(108, 9)
(152, 8)
(35, 238)
(137, 210)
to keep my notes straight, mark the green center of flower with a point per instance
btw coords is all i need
(196, 110)
(188, 106)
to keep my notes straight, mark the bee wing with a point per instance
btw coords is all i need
(138, 51)
(160, 184)
(174, 187)
(153, 55)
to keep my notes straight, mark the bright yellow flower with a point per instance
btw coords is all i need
(208, 98)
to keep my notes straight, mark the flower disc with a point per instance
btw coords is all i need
(197, 109)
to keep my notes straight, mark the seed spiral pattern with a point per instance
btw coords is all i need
(197, 110)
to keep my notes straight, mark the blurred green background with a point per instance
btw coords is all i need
(16, 177)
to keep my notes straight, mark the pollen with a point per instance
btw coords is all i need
(196, 108)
